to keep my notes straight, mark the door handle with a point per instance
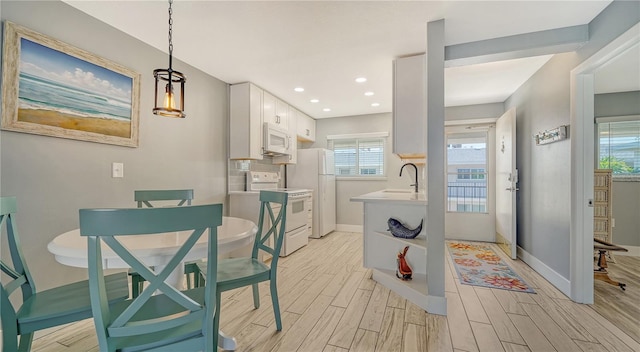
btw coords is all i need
(513, 189)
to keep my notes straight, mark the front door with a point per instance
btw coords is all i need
(506, 182)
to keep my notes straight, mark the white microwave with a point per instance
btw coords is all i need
(276, 140)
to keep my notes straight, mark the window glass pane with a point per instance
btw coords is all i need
(619, 147)
(371, 156)
(467, 172)
(345, 156)
(359, 157)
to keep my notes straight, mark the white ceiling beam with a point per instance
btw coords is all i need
(552, 41)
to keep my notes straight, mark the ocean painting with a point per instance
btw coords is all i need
(58, 89)
(51, 88)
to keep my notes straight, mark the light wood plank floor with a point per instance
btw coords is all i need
(330, 303)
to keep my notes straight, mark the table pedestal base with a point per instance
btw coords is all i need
(225, 342)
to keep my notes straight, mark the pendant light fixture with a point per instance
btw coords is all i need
(169, 94)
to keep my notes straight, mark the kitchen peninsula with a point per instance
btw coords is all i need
(381, 247)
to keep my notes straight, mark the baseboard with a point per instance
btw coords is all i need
(349, 228)
(557, 280)
(633, 251)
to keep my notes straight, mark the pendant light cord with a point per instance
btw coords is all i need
(170, 35)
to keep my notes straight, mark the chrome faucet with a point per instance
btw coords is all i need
(415, 185)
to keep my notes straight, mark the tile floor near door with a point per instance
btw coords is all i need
(329, 303)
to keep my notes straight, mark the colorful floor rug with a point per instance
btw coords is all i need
(478, 265)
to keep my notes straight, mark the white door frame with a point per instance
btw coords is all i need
(583, 160)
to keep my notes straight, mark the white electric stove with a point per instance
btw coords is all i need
(298, 223)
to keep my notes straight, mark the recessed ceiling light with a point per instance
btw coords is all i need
(368, 94)
(326, 109)
(361, 79)
(375, 104)
(299, 89)
(314, 100)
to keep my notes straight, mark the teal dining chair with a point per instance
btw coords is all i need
(161, 318)
(39, 310)
(244, 271)
(145, 198)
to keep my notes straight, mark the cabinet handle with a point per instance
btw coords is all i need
(307, 131)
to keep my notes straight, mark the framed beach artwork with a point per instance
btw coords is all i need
(54, 89)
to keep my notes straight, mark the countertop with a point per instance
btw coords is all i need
(396, 196)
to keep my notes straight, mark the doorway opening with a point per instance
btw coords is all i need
(583, 163)
(470, 200)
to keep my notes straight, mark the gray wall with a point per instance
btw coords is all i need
(53, 177)
(617, 104)
(543, 102)
(626, 192)
(625, 207)
(470, 112)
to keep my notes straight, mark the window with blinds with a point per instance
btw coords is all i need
(359, 156)
(619, 145)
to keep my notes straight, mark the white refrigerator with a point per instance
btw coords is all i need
(315, 170)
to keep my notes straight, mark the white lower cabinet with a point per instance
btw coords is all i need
(309, 206)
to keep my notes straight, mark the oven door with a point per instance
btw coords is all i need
(297, 214)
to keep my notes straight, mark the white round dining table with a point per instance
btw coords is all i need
(70, 248)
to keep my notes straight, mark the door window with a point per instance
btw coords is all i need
(467, 172)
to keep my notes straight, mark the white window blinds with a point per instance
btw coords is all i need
(358, 156)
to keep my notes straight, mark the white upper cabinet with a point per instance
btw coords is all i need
(245, 123)
(409, 107)
(275, 111)
(250, 107)
(306, 129)
(292, 158)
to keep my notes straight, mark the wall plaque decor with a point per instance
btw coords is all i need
(553, 135)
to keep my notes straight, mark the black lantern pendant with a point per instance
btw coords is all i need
(169, 95)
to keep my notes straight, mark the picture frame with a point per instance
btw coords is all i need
(54, 89)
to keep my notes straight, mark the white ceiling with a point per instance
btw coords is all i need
(324, 45)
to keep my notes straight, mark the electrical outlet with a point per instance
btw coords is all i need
(117, 170)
